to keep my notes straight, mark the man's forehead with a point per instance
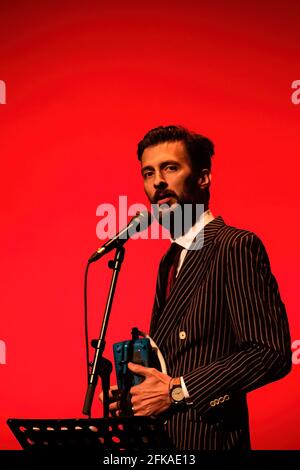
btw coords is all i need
(165, 151)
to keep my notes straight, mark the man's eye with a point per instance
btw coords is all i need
(171, 168)
(147, 174)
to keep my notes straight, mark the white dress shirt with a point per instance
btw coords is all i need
(186, 240)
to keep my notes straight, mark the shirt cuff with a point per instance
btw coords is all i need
(185, 391)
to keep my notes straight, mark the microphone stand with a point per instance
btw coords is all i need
(100, 365)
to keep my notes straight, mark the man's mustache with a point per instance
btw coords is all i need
(163, 195)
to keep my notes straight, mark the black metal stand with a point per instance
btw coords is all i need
(100, 366)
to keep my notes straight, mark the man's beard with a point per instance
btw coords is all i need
(179, 216)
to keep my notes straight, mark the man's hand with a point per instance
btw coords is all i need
(151, 397)
(112, 398)
(110, 394)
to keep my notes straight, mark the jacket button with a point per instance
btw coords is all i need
(182, 334)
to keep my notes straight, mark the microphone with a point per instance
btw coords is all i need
(138, 223)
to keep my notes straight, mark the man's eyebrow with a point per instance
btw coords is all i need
(146, 168)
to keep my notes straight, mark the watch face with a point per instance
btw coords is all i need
(177, 394)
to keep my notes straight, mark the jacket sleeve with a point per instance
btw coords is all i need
(260, 325)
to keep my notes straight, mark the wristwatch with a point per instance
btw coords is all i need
(177, 395)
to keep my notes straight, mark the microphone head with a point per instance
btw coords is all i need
(138, 223)
(143, 219)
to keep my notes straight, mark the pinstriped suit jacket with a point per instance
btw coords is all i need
(234, 336)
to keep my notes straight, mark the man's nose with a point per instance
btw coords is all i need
(159, 181)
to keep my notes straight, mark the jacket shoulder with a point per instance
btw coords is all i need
(231, 236)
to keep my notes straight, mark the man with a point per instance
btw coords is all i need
(221, 325)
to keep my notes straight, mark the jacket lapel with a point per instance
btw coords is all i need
(166, 317)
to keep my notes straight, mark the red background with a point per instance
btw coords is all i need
(84, 83)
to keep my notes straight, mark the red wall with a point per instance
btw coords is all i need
(84, 82)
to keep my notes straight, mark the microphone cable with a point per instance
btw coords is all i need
(86, 332)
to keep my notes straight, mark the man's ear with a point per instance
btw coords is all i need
(204, 179)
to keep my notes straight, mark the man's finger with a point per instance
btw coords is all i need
(114, 406)
(140, 370)
(113, 391)
(111, 395)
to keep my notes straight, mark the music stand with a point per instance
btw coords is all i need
(105, 434)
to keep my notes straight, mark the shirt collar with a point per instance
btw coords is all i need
(187, 239)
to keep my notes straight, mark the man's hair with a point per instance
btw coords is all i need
(200, 149)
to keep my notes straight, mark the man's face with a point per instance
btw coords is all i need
(168, 176)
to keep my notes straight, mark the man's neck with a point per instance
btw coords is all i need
(187, 238)
(181, 223)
